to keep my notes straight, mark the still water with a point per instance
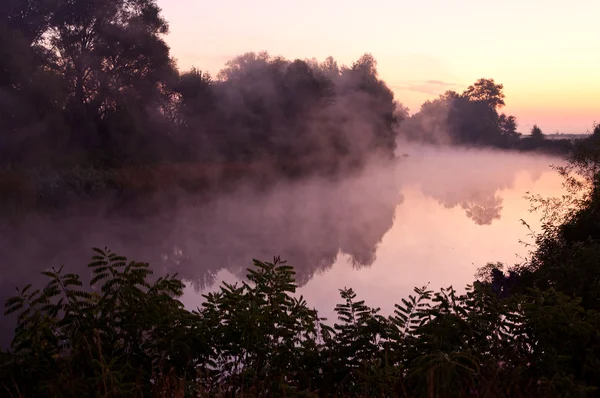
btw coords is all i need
(434, 217)
(432, 220)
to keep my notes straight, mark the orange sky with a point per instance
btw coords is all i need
(545, 52)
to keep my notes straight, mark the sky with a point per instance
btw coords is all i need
(546, 53)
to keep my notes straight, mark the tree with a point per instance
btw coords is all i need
(449, 95)
(32, 95)
(508, 124)
(474, 122)
(330, 68)
(486, 90)
(596, 131)
(366, 64)
(30, 18)
(377, 101)
(118, 74)
(536, 132)
(464, 119)
(508, 128)
(110, 50)
(303, 113)
(244, 65)
(195, 94)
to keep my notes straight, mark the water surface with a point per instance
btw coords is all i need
(455, 211)
(433, 217)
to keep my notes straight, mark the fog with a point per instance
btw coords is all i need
(436, 239)
(316, 224)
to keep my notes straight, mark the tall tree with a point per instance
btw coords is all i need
(118, 74)
(508, 126)
(486, 90)
(363, 77)
(467, 118)
(31, 93)
(110, 50)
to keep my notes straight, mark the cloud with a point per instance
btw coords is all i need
(439, 83)
(431, 87)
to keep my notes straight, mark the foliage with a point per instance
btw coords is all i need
(536, 132)
(130, 336)
(486, 90)
(89, 88)
(92, 105)
(471, 118)
(91, 83)
(99, 341)
(567, 245)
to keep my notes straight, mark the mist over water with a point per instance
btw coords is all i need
(457, 209)
(434, 216)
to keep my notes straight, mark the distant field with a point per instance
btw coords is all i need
(571, 137)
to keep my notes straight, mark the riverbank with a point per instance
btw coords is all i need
(128, 188)
(24, 191)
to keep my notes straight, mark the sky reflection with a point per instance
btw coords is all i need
(431, 243)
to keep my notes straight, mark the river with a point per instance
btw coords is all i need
(432, 218)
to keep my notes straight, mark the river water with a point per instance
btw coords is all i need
(432, 218)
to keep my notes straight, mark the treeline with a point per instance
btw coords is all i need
(93, 83)
(534, 331)
(92, 105)
(473, 118)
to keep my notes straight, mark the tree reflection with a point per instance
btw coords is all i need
(483, 209)
(308, 223)
(471, 180)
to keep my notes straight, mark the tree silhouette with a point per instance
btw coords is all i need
(469, 118)
(486, 90)
(536, 132)
(95, 79)
(596, 131)
(508, 126)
